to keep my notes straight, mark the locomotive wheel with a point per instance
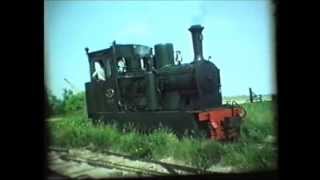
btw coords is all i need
(232, 128)
(204, 130)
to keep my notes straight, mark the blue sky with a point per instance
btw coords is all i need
(237, 34)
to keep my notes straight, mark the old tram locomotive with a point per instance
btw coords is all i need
(149, 89)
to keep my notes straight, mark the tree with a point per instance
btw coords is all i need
(56, 106)
(70, 103)
(74, 103)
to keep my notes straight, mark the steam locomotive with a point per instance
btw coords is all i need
(149, 90)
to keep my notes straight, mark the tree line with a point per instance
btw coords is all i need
(69, 103)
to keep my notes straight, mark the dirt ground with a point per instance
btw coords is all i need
(84, 170)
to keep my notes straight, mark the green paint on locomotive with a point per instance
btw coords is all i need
(151, 87)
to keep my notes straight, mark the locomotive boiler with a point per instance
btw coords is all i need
(145, 87)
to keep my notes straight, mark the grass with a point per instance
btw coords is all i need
(253, 151)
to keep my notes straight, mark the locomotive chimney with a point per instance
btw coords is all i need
(197, 41)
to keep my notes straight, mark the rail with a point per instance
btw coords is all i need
(165, 168)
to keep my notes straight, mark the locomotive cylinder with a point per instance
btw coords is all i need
(197, 41)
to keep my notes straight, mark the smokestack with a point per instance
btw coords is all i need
(197, 41)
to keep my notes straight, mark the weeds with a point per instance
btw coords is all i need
(250, 152)
(210, 153)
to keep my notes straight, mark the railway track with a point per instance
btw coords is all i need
(76, 163)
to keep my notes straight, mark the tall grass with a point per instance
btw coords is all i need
(260, 121)
(252, 151)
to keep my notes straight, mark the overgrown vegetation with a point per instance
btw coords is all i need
(70, 103)
(256, 150)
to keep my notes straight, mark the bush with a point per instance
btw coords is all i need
(55, 105)
(162, 143)
(74, 103)
(249, 156)
(71, 103)
(259, 122)
(70, 132)
(187, 150)
(134, 144)
(209, 153)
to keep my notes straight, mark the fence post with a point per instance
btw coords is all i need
(251, 95)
